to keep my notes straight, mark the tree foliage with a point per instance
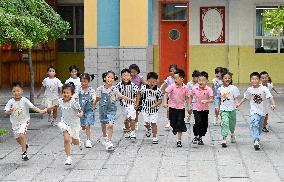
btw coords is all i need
(27, 23)
(274, 20)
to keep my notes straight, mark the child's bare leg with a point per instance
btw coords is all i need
(265, 121)
(54, 113)
(126, 124)
(88, 132)
(22, 141)
(109, 131)
(154, 129)
(147, 125)
(67, 143)
(104, 129)
(179, 135)
(216, 113)
(132, 124)
(75, 141)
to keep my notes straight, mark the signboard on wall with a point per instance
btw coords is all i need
(212, 24)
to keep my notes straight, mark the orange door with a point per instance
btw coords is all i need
(173, 45)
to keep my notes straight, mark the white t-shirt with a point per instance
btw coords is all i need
(257, 96)
(266, 101)
(69, 111)
(112, 91)
(20, 112)
(228, 96)
(76, 82)
(51, 87)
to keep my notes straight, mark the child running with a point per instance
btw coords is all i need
(216, 84)
(167, 82)
(130, 90)
(151, 97)
(202, 95)
(177, 93)
(70, 119)
(137, 80)
(193, 83)
(107, 96)
(18, 109)
(87, 100)
(257, 94)
(74, 77)
(51, 87)
(228, 94)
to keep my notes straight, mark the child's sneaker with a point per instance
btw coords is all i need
(133, 135)
(215, 122)
(148, 132)
(126, 135)
(88, 144)
(68, 161)
(233, 138)
(81, 145)
(264, 129)
(224, 143)
(49, 119)
(179, 144)
(136, 126)
(155, 140)
(188, 119)
(25, 156)
(195, 140)
(256, 145)
(52, 121)
(200, 141)
(109, 146)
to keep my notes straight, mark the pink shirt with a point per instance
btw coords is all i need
(177, 95)
(201, 94)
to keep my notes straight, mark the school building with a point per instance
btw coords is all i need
(194, 34)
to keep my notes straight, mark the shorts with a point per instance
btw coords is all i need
(88, 119)
(107, 114)
(149, 118)
(129, 112)
(216, 101)
(177, 122)
(74, 131)
(20, 128)
(46, 102)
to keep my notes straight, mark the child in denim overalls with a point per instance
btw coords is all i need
(107, 95)
(87, 100)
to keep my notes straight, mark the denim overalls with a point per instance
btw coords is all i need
(107, 108)
(86, 103)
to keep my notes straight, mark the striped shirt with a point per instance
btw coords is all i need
(129, 90)
(150, 97)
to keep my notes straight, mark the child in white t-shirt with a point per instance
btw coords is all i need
(257, 94)
(193, 83)
(18, 109)
(51, 87)
(74, 78)
(70, 120)
(228, 94)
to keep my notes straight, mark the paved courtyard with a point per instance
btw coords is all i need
(143, 161)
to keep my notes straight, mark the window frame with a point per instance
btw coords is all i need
(278, 37)
(74, 36)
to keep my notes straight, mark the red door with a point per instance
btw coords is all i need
(173, 39)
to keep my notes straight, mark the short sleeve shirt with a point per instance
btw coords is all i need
(201, 94)
(51, 86)
(137, 80)
(217, 83)
(76, 82)
(69, 111)
(150, 97)
(20, 112)
(129, 90)
(112, 91)
(228, 96)
(257, 96)
(169, 81)
(177, 95)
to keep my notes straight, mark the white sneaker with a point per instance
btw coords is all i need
(136, 126)
(167, 127)
(148, 132)
(81, 145)
(155, 140)
(126, 135)
(109, 146)
(233, 138)
(133, 135)
(68, 161)
(88, 144)
(256, 145)
(188, 119)
(224, 143)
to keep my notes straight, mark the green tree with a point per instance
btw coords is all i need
(274, 20)
(27, 23)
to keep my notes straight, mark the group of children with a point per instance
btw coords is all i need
(77, 101)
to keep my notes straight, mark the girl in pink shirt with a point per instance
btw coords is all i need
(202, 95)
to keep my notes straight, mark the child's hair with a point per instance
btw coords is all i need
(125, 70)
(255, 74)
(224, 71)
(269, 79)
(73, 67)
(218, 70)
(106, 73)
(87, 76)
(153, 75)
(173, 66)
(204, 74)
(134, 67)
(17, 84)
(263, 73)
(51, 67)
(195, 73)
(180, 73)
(70, 86)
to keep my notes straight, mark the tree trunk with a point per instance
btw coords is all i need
(32, 80)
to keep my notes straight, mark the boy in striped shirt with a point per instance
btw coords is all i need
(151, 97)
(130, 90)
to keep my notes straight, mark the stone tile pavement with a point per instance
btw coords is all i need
(143, 161)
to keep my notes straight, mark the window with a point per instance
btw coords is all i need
(265, 41)
(74, 41)
(174, 11)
